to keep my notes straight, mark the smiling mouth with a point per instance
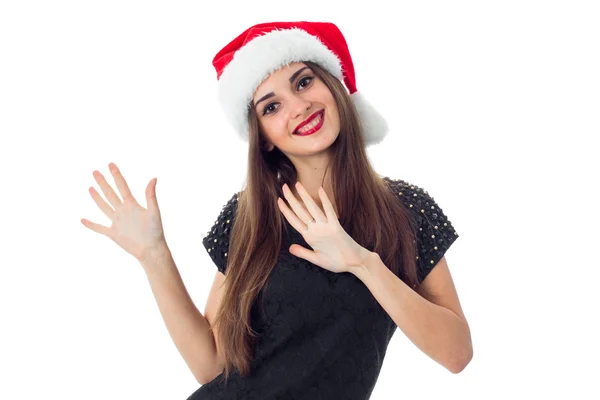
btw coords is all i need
(312, 126)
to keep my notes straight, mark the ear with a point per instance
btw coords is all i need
(269, 147)
(266, 145)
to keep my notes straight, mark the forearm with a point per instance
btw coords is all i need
(187, 327)
(435, 330)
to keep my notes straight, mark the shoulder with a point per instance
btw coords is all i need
(414, 197)
(216, 241)
(435, 232)
(421, 203)
(227, 213)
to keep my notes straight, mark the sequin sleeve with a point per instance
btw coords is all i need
(216, 241)
(435, 232)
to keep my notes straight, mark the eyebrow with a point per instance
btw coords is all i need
(268, 95)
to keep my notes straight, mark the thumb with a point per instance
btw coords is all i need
(151, 200)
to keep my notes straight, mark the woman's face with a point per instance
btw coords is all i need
(292, 96)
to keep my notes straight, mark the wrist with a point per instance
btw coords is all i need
(157, 255)
(367, 260)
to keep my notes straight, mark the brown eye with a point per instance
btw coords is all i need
(307, 79)
(268, 107)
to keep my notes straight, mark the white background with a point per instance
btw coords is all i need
(493, 109)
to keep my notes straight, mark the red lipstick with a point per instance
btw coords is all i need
(314, 129)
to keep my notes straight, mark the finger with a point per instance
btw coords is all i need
(293, 219)
(327, 206)
(304, 253)
(106, 209)
(313, 208)
(151, 201)
(96, 227)
(121, 183)
(109, 193)
(296, 206)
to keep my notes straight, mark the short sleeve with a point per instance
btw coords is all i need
(435, 233)
(216, 241)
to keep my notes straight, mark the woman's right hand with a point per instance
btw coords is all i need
(137, 230)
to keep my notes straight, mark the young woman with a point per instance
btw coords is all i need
(319, 258)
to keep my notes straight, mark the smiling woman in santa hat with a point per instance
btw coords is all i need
(319, 259)
(323, 258)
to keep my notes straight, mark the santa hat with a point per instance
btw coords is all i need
(262, 49)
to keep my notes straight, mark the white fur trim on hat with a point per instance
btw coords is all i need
(260, 57)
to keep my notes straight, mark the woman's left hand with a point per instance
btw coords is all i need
(333, 248)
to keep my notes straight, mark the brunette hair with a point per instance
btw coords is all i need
(256, 235)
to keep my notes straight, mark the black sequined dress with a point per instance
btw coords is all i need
(325, 336)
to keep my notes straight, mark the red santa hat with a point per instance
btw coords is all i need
(265, 48)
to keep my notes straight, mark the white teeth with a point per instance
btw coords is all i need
(311, 125)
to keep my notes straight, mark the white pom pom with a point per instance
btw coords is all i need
(374, 126)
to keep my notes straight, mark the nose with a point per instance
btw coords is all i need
(299, 106)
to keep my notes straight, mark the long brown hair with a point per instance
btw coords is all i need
(256, 234)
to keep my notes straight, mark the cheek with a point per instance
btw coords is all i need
(334, 114)
(275, 127)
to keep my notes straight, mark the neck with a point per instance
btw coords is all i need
(312, 173)
(311, 183)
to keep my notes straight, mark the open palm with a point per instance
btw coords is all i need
(135, 229)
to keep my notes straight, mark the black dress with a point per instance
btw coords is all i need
(326, 335)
